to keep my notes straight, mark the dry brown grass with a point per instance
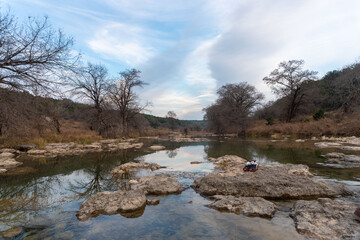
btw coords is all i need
(70, 132)
(333, 125)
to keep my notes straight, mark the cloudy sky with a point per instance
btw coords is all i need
(186, 49)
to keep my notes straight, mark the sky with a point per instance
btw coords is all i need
(187, 49)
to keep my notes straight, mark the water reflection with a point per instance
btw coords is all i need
(55, 191)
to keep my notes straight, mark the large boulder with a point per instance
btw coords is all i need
(284, 181)
(159, 184)
(132, 166)
(326, 219)
(111, 203)
(249, 206)
(229, 162)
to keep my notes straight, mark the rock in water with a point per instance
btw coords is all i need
(160, 184)
(285, 181)
(131, 166)
(326, 219)
(111, 203)
(156, 148)
(249, 206)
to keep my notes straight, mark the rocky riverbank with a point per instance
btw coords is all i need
(249, 193)
(8, 156)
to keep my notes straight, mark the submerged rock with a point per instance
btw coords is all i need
(160, 184)
(156, 148)
(152, 201)
(111, 203)
(284, 181)
(249, 206)
(131, 166)
(326, 219)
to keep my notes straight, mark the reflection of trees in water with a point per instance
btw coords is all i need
(20, 202)
(97, 179)
(172, 153)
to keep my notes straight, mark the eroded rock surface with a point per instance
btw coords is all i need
(58, 149)
(341, 158)
(344, 143)
(229, 163)
(7, 161)
(159, 184)
(249, 206)
(326, 219)
(132, 166)
(284, 181)
(111, 203)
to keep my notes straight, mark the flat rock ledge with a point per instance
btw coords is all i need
(326, 219)
(7, 161)
(160, 184)
(59, 149)
(341, 158)
(109, 203)
(284, 181)
(249, 206)
(133, 166)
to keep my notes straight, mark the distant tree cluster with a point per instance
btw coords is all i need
(233, 108)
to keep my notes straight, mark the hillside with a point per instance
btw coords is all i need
(27, 116)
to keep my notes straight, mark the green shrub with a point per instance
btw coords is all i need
(319, 114)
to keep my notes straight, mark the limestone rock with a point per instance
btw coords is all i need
(25, 147)
(111, 203)
(339, 158)
(229, 162)
(326, 219)
(133, 182)
(249, 206)
(9, 163)
(285, 181)
(131, 166)
(6, 155)
(152, 201)
(159, 184)
(156, 148)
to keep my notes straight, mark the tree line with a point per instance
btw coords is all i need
(299, 91)
(36, 58)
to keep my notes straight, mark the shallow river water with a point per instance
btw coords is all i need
(43, 200)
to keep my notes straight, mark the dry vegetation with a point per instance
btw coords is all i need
(334, 124)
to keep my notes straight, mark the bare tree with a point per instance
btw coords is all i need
(92, 85)
(232, 109)
(124, 98)
(33, 54)
(171, 118)
(286, 81)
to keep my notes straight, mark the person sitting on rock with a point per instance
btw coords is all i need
(254, 166)
(251, 166)
(247, 166)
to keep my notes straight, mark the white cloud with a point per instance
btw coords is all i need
(122, 42)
